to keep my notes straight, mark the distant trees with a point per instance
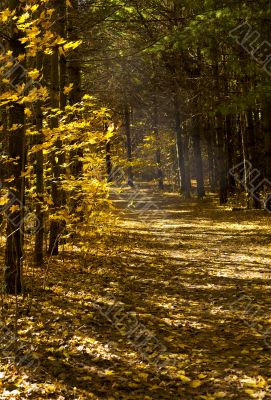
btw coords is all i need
(217, 88)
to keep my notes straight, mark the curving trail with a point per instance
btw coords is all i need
(176, 307)
(198, 276)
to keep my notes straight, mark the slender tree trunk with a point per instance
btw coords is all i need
(108, 161)
(267, 144)
(253, 156)
(128, 145)
(14, 244)
(74, 78)
(74, 67)
(56, 195)
(158, 149)
(198, 157)
(222, 168)
(58, 100)
(209, 138)
(185, 190)
(230, 153)
(16, 151)
(267, 136)
(39, 234)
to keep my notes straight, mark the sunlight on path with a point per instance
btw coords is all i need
(200, 277)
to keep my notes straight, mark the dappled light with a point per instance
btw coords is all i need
(135, 200)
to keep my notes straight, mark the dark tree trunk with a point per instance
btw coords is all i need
(198, 157)
(184, 188)
(267, 143)
(74, 78)
(39, 234)
(14, 244)
(252, 153)
(209, 138)
(16, 151)
(230, 153)
(160, 176)
(58, 100)
(222, 166)
(108, 161)
(128, 145)
(267, 137)
(56, 195)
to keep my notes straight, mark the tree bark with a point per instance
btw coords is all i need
(198, 157)
(160, 177)
(222, 168)
(39, 171)
(184, 187)
(56, 195)
(16, 151)
(74, 78)
(128, 145)
(230, 153)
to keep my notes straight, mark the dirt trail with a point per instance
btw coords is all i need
(198, 276)
(178, 307)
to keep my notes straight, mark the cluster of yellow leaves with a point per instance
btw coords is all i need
(35, 24)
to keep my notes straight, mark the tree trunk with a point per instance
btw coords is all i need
(222, 168)
(185, 190)
(160, 177)
(108, 161)
(39, 234)
(56, 195)
(58, 100)
(198, 157)
(74, 78)
(209, 138)
(253, 156)
(16, 151)
(128, 145)
(230, 153)
(267, 136)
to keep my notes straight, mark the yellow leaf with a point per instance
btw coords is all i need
(26, 173)
(3, 200)
(34, 7)
(68, 89)
(14, 127)
(72, 45)
(27, 112)
(14, 208)
(5, 15)
(183, 378)
(220, 395)
(23, 18)
(196, 383)
(8, 180)
(250, 392)
(109, 372)
(143, 375)
(34, 74)
(86, 97)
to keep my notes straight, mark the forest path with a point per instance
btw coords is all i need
(198, 277)
(175, 306)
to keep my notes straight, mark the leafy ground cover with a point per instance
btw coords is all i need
(174, 305)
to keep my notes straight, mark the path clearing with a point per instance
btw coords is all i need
(164, 316)
(198, 276)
